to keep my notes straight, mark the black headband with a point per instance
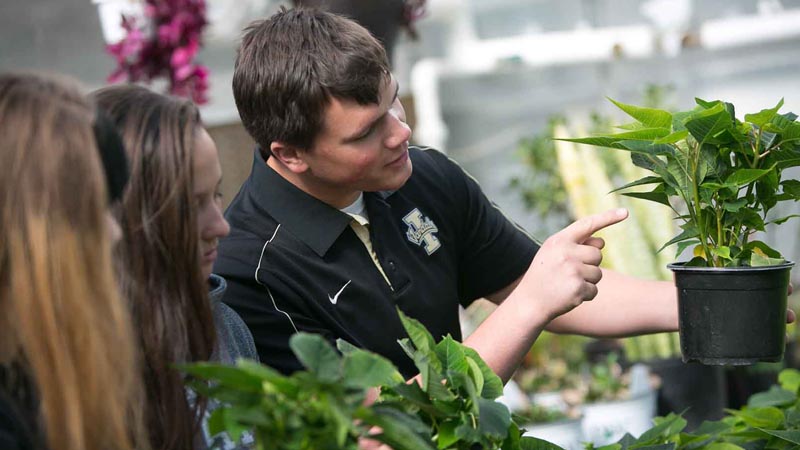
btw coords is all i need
(112, 154)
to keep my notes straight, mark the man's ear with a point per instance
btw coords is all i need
(290, 156)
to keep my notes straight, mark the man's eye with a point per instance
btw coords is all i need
(367, 134)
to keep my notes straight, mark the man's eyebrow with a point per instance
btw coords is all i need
(355, 136)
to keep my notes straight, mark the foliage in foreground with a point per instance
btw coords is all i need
(770, 420)
(453, 406)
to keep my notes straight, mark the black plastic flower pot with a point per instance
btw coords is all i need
(732, 315)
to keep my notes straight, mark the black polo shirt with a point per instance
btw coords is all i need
(293, 263)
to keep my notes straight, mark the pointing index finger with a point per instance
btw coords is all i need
(581, 230)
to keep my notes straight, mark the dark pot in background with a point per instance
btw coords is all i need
(732, 316)
(699, 390)
(743, 382)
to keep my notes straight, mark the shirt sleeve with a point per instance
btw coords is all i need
(493, 250)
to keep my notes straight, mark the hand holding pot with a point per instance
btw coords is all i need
(565, 271)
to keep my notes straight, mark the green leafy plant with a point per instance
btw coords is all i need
(724, 174)
(451, 406)
(770, 420)
(319, 408)
(552, 364)
(456, 395)
(536, 414)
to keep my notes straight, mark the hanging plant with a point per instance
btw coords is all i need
(163, 43)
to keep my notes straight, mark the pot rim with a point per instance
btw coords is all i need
(680, 267)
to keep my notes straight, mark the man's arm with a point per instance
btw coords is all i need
(563, 275)
(624, 306)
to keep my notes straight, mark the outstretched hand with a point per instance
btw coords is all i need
(565, 271)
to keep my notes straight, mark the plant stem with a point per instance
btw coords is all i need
(698, 208)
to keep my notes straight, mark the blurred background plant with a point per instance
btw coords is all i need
(163, 42)
(563, 182)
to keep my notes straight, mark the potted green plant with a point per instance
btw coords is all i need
(551, 424)
(614, 401)
(722, 177)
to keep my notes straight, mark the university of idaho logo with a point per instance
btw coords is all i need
(421, 231)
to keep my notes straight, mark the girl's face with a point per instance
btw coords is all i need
(208, 199)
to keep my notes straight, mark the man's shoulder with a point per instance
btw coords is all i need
(433, 171)
(250, 228)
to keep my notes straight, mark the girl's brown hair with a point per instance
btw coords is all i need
(64, 323)
(159, 255)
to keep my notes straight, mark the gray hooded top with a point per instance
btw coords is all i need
(234, 341)
(233, 337)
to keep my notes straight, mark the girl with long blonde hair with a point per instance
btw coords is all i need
(68, 373)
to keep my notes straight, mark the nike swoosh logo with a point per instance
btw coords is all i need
(335, 298)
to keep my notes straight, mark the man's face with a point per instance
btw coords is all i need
(361, 147)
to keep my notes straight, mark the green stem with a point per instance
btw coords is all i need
(699, 211)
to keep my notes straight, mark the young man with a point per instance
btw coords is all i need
(340, 222)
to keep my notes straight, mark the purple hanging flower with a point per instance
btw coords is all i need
(167, 50)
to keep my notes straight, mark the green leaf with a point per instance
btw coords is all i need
(767, 417)
(722, 251)
(650, 117)
(447, 434)
(776, 396)
(713, 428)
(532, 443)
(792, 436)
(451, 355)
(476, 373)
(639, 182)
(467, 429)
(786, 157)
(684, 245)
(758, 260)
(667, 426)
(707, 125)
(345, 347)
(688, 233)
(783, 219)
(232, 426)
(224, 375)
(494, 418)
(419, 335)
(766, 115)
(792, 188)
(743, 177)
(436, 388)
(723, 446)
(673, 137)
(216, 421)
(613, 140)
(656, 195)
(789, 379)
(317, 355)
(492, 385)
(398, 430)
(735, 205)
(363, 369)
(791, 133)
(648, 148)
(414, 394)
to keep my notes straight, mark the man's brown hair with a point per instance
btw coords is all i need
(289, 66)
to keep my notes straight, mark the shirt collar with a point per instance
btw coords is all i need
(314, 222)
